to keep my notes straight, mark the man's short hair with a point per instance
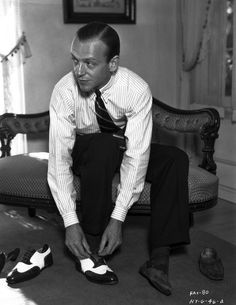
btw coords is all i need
(103, 32)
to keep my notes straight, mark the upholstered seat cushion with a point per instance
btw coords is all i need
(26, 176)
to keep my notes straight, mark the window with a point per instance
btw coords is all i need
(11, 67)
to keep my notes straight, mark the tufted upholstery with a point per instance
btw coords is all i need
(23, 178)
(24, 175)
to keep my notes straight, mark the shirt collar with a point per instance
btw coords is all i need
(108, 84)
(105, 89)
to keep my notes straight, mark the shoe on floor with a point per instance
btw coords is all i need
(157, 278)
(30, 266)
(211, 265)
(96, 270)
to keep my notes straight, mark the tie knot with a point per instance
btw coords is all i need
(98, 93)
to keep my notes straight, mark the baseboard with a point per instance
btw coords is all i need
(227, 193)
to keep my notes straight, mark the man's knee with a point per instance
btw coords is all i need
(172, 153)
(180, 156)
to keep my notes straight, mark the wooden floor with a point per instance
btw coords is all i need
(219, 220)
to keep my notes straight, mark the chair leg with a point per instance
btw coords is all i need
(191, 219)
(32, 212)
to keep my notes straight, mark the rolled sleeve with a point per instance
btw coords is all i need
(70, 218)
(119, 213)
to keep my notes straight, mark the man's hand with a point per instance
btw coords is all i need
(76, 241)
(111, 238)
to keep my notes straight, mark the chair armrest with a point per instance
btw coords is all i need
(11, 124)
(205, 122)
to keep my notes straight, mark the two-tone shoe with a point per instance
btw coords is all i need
(97, 271)
(32, 263)
(5, 257)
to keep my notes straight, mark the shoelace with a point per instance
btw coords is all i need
(98, 261)
(27, 256)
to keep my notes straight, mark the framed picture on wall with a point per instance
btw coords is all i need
(108, 11)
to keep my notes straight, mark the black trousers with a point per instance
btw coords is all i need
(96, 158)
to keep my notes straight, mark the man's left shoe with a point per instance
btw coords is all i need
(96, 270)
(157, 278)
(31, 265)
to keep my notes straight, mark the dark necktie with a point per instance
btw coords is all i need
(105, 122)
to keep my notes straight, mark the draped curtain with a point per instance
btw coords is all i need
(14, 50)
(195, 15)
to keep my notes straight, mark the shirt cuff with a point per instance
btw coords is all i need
(119, 213)
(70, 219)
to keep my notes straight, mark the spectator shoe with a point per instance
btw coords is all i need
(31, 265)
(96, 270)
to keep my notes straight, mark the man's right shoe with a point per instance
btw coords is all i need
(96, 270)
(156, 277)
(31, 265)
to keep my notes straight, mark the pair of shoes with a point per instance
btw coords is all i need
(31, 265)
(158, 278)
(211, 265)
(11, 256)
(96, 270)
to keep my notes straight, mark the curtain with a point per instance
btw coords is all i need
(195, 16)
(14, 50)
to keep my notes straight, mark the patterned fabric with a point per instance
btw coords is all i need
(26, 176)
(104, 120)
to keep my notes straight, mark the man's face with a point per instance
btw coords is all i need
(91, 68)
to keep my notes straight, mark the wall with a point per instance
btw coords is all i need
(148, 48)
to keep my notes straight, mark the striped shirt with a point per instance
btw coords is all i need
(128, 100)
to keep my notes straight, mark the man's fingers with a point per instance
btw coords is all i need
(108, 249)
(102, 244)
(79, 250)
(82, 252)
(76, 241)
(73, 250)
(86, 246)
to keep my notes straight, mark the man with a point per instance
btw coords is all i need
(101, 122)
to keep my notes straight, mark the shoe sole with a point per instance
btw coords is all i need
(98, 282)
